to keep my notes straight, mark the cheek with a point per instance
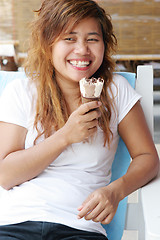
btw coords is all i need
(100, 54)
(59, 54)
(56, 52)
(56, 61)
(53, 55)
(53, 60)
(56, 57)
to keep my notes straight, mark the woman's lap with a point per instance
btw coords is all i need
(45, 231)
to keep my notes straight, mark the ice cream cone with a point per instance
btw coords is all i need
(86, 100)
(91, 89)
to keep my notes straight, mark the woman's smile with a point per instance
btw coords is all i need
(80, 64)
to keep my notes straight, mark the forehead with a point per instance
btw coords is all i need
(87, 24)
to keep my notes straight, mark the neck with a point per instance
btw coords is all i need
(71, 93)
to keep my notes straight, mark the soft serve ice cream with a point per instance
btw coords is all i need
(91, 89)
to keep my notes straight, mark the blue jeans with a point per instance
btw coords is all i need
(31, 230)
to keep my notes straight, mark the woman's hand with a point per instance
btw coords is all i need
(82, 123)
(101, 205)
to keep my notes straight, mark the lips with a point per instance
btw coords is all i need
(79, 64)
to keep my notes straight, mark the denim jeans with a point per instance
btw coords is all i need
(31, 230)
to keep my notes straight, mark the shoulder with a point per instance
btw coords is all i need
(120, 81)
(125, 96)
(17, 101)
(18, 83)
(20, 87)
(118, 78)
(121, 85)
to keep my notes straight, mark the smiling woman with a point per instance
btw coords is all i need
(82, 32)
(80, 53)
(56, 153)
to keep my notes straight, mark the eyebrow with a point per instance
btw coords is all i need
(91, 33)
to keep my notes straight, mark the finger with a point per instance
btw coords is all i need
(92, 131)
(101, 216)
(86, 209)
(92, 124)
(80, 208)
(85, 108)
(92, 115)
(95, 212)
(108, 219)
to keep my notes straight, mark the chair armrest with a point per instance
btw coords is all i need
(151, 208)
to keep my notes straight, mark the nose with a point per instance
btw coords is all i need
(82, 48)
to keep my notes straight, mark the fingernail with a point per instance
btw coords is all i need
(78, 217)
(79, 208)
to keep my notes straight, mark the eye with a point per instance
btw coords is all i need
(70, 39)
(92, 40)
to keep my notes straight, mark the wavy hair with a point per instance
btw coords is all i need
(53, 18)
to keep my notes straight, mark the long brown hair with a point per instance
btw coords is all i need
(53, 18)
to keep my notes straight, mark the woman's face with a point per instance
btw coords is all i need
(78, 53)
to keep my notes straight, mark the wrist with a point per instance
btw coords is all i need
(64, 135)
(118, 186)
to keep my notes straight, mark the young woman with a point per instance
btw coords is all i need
(56, 153)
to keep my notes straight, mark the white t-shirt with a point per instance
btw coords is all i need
(56, 193)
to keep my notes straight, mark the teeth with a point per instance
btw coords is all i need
(79, 63)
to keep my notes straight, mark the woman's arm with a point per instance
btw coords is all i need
(145, 161)
(18, 165)
(102, 204)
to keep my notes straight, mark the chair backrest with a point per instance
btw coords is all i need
(144, 86)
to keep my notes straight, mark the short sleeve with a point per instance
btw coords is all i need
(126, 98)
(14, 103)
